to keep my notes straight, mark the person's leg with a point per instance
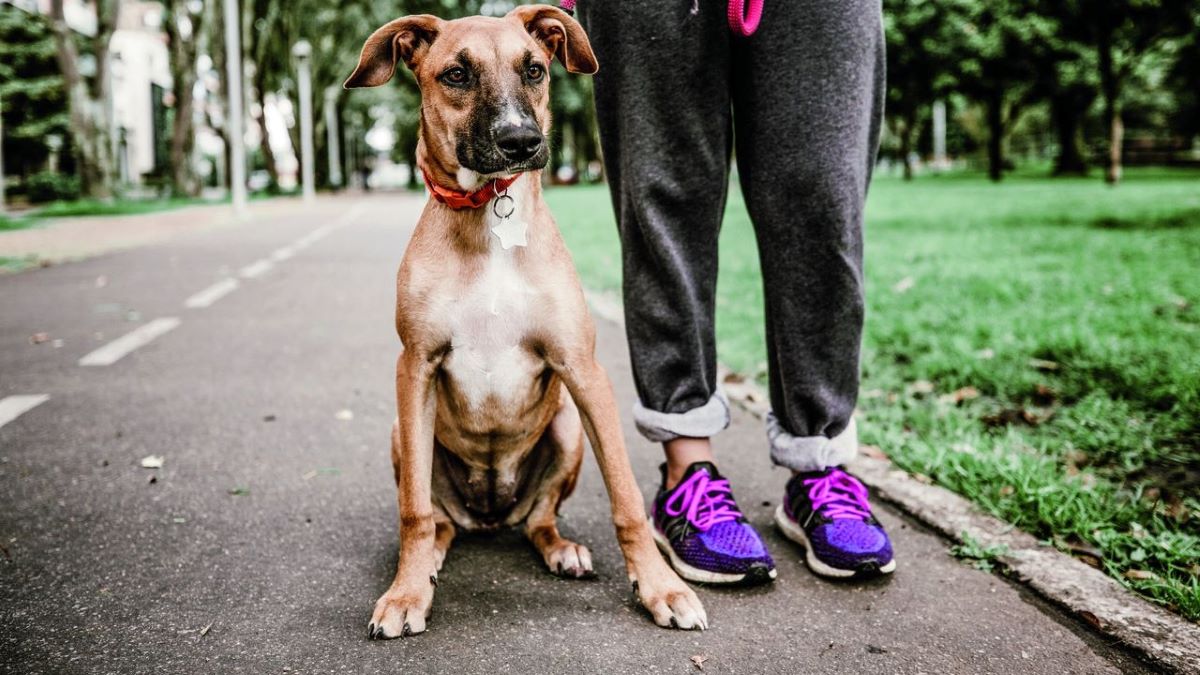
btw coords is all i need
(808, 101)
(663, 106)
(662, 101)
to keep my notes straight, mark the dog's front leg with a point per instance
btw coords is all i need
(403, 609)
(670, 601)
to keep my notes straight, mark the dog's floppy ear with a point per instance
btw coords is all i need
(560, 34)
(406, 38)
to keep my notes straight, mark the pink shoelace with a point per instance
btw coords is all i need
(744, 15)
(706, 501)
(837, 494)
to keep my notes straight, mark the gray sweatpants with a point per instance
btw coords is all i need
(801, 101)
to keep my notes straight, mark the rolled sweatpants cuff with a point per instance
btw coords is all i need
(810, 453)
(702, 422)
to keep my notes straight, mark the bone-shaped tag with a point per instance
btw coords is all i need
(511, 232)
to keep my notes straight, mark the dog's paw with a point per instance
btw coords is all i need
(400, 614)
(570, 560)
(671, 602)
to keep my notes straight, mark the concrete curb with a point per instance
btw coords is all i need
(1162, 637)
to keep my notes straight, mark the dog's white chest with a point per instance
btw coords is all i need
(488, 325)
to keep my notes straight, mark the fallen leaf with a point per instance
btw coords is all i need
(1043, 364)
(875, 649)
(920, 387)
(1085, 552)
(904, 285)
(1007, 491)
(1091, 619)
(152, 462)
(733, 377)
(309, 475)
(922, 478)
(1009, 416)
(959, 395)
(239, 491)
(698, 661)
(204, 631)
(38, 338)
(873, 451)
(1044, 395)
(344, 415)
(1140, 575)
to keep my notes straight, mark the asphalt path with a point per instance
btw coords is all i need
(257, 362)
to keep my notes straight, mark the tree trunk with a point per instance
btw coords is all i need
(1110, 89)
(265, 134)
(89, 102)
(906, 134)
(995, 145)
(182, 36)
(1065, 113)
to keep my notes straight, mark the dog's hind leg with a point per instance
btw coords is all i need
(564, 440)
(443, 536)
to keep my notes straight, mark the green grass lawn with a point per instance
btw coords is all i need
(1062, 312)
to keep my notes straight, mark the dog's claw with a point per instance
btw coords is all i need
(433, 579)
(406, 631)
(371, 631)
(635, 587)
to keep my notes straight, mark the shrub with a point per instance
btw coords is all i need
(49, 187)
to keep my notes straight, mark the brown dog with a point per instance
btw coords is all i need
(497, 378)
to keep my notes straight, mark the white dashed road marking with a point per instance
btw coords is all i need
(122, 346)
(12, 407)
(281, 254)
(256, 269)
(212, 294)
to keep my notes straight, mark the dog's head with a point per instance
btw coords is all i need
(485, 83)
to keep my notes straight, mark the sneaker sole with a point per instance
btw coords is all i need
(796, 533)
(758, 574)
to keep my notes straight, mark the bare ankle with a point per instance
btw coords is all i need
(683, 452)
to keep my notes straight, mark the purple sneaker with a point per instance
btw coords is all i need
(827, 513)
(700, 529)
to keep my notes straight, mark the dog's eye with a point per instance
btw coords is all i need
(456, 75)
(535, 72)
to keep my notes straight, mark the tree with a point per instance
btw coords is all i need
(1000, 50)
(31, 88)
(922, 52)
(88, 97)
(183, 22)
(1123, 32)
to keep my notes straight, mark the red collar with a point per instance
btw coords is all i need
(468, 200)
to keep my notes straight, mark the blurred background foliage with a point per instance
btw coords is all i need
(1081, 85)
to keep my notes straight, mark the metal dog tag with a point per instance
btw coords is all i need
(510, 231)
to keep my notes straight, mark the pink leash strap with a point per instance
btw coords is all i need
(744, 16)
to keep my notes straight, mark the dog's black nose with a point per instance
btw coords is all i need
(519, 143)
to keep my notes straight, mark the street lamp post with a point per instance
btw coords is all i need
(331, 129)
(237, 140)
(302, 50)
(3, 208)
